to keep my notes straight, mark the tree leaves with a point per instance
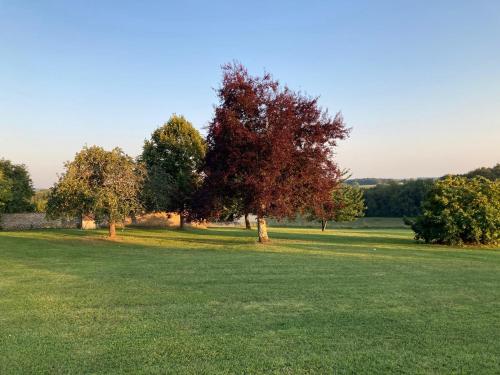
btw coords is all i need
(99, 183)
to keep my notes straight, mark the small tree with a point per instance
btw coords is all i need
(172, 158)
(16, 178)
(269, 148)
(98, 183)
(346, 204)
(458, 210)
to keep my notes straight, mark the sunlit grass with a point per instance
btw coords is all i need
(216, 301)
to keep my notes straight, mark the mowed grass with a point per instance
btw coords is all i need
(360, 223)
(215, 301)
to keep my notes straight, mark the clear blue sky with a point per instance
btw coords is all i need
(419, 81)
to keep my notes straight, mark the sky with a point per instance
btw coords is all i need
(417, 81)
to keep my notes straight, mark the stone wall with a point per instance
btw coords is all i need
(153, 220)
(33, 220)
(237, 223)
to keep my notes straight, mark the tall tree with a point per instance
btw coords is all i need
(269, 148)
(17, 177)
(99, 183)
(172, 157)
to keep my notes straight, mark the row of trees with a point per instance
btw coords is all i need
(269, 152)
(492, 173)
(396, 199)
(403, 198)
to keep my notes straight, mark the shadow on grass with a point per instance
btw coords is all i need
(329, 237)
(135, 242)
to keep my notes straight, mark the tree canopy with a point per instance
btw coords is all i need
(98, 183)
(269, 148)
(5, 191)
(172, 157)
(16, 188)
(492, 173)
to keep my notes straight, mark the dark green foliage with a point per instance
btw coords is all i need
(372, 181)
(16, 188)
(5, 191)
(458, 210)
(400, 198)
(396, 199)
(172, 158)
(492, 173)
(350, 203)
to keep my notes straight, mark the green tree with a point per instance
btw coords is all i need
(39, 200)
(458, 210)
(5, 191)
(16, 178)
(347, 204)
(172, 158)
(99, 183)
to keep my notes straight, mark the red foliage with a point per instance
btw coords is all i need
(269, 148)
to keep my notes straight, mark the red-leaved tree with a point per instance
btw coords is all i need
(270, 150)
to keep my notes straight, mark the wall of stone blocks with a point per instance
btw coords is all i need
(33, 220)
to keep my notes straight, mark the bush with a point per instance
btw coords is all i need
(458, 210)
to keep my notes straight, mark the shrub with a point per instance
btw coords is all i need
(458, 210)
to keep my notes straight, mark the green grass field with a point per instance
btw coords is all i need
(215, 301)
(363, 222)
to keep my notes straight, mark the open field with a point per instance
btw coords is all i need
(215, 301)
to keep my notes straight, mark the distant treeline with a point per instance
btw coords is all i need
(396, 199)
(400, 197)
(491, 174)
(373, 181)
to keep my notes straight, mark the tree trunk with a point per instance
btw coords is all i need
(133, 218)
(323, 225)
(181, 222)
(247, 222)
(112, 229)
(262, 229)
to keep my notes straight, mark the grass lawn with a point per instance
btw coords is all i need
(361, 223)
(215, 301)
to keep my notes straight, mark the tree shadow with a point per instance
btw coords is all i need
(330, 237)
